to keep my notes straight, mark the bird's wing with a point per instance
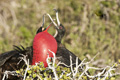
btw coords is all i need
(64, 54)
(5, 56)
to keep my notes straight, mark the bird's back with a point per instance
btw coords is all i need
(10, 61)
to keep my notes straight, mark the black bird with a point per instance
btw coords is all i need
(63, 54)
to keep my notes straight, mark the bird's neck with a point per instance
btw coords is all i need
(58, 39)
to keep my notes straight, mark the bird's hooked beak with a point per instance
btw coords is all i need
(58, 21)
(42, 26)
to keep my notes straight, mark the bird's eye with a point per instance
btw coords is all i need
(60, 27)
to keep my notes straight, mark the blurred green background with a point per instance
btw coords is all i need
(92, 26)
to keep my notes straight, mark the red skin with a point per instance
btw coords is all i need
(41, 43)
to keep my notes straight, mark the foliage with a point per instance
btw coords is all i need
(54, 71)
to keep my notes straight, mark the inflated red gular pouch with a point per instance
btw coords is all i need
(43, 42)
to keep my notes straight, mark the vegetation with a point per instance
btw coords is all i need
(82, 71)
(91, 26)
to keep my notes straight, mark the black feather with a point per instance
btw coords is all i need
(63, 54)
